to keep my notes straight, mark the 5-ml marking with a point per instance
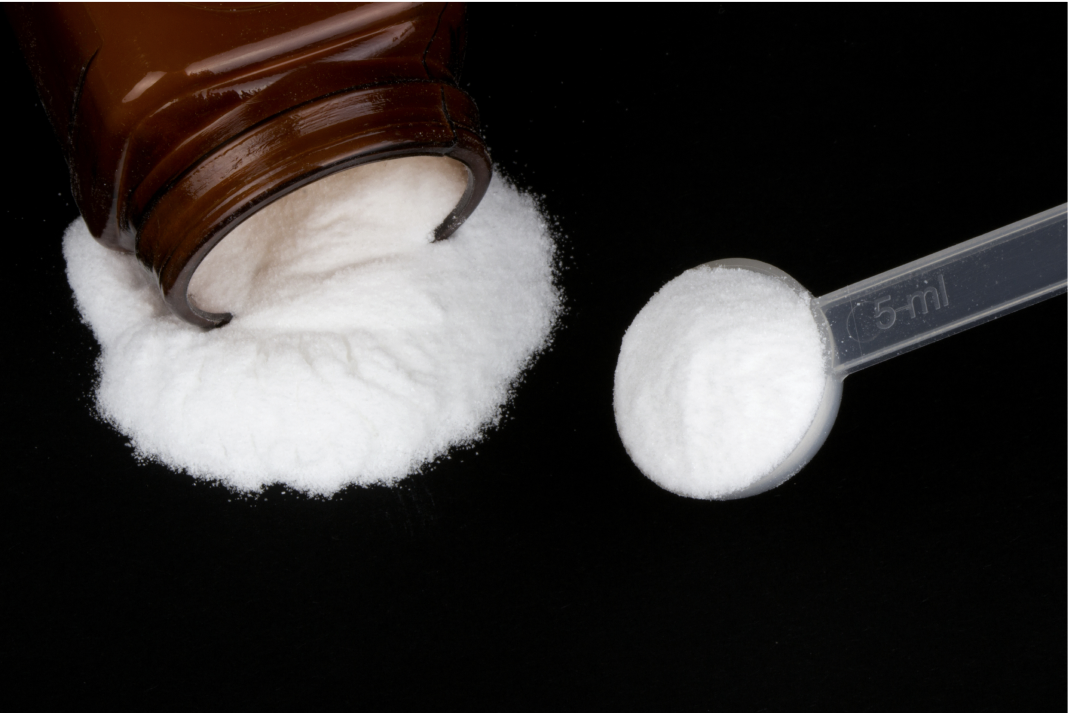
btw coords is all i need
(882, 315)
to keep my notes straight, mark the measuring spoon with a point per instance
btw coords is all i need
(918, 303)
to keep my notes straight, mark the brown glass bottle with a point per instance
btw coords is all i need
(179, 121)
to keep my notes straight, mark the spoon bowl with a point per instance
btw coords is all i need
(827, 411)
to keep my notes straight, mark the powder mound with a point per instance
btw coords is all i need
(719, 377)
(351, 370)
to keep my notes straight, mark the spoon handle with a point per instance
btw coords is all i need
(949, 291)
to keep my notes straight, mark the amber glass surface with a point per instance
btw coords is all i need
(180, 120)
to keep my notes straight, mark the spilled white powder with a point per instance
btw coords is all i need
(358, 352)
(718, 379)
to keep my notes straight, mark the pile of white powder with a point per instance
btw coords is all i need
(359, 350)
(719, 377)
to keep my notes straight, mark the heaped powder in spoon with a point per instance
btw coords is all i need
(718, 379)
(358, 352)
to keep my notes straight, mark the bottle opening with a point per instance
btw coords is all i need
(365, 213)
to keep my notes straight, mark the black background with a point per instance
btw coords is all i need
(917, 563)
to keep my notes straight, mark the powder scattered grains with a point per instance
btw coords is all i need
(353, 357)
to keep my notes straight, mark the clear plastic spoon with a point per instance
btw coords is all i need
(921, 302)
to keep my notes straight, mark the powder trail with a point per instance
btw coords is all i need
(347, 362)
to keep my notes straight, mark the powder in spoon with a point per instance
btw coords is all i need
(359, 350)
(718, 379)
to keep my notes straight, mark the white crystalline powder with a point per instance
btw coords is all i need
(718, 379)
(359, 350)
(280, 253)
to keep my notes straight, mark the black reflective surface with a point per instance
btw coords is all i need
(917, 563)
